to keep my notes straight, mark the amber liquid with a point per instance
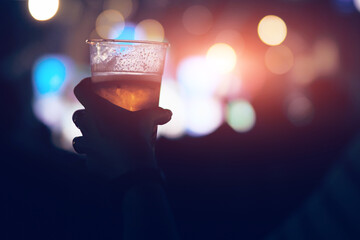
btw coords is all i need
(130, 91)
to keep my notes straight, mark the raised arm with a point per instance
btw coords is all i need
(119, 147)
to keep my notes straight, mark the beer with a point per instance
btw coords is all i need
(130, 91)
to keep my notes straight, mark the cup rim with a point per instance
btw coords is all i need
(93, 41)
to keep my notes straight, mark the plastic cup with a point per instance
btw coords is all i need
(128, 73)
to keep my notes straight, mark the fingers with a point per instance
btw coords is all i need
(80, 145)
(79, 117)
(156, 116)
(83, 121)
(97, 105)
(91, 101)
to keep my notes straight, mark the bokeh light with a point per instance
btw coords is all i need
(230, 87)
(272, 30)
(204, 115)
(49, 74)
(240, 115)
(149, 29)
(110, 24)
(326, 56)
(196, 77)
(279, 59)
(125, 7)
(221, 57)
(300, 110)
(197, 20)
(357, 4)
(170, 99)
(49, 109)
(304, 70)
(128, 33)
(43, 10)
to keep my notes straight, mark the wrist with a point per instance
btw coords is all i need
(138, 178)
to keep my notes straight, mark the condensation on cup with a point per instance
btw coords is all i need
(127, 73)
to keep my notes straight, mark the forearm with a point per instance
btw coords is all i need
(147, 214)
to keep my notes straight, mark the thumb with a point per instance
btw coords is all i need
(156, 116)
(92, 102)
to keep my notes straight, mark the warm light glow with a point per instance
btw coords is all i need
(240, 115)
(279, 59)
(197, 20)
(149, 29)
(326, 56)
(272, 30)
(304, 70)
(125, 7)
(204, 115)
(221, 57)
(170, 98)
(43, 10)
(253, 74)
(231, 37)
(230, 87)
(196, 77)
(300, 110)
(110, 24)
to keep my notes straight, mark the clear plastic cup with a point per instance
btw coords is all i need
(128, 73)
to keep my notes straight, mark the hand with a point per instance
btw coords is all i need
(115, 140)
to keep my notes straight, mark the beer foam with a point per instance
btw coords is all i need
(145, 58)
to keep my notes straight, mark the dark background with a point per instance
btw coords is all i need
(227, 184)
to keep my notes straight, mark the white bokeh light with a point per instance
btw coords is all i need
(43, 10)
(196, 77)
(170, 99)
(204, 115)
(357, 4)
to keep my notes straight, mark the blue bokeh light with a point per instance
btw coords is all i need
(344, 6)
(128, 33)
(49, 74)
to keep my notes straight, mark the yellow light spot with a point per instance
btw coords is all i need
(149, 29)
(110, 24)
(43, 10)
(221, 57)
(279, 59)
(272, 30)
